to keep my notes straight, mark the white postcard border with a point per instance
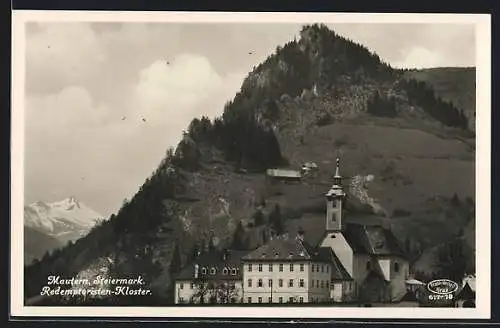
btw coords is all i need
(483, 166)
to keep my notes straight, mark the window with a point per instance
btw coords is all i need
(280, 283)
(259, 283)
(280, 299)
(327, 268)
(249, 282)
(301, 300)
(250, 268)
(301, 267)
(212, 271)
(312, 267)
(317, 283)
(290, 283)
(225, 271)
(322, 268)
(281, 267)
(260, 299)
(290, 300)
(181, 299)
(249, 300)
(396, 267)
(327, 284)
(270, 283)
(270, 268)
(291, 267)
(301, 283)
(322, 284)
(233, 272)
(182, 285)
(204, 271)
(368, 266)
(192, 285)
(270, 299)
(260, 267)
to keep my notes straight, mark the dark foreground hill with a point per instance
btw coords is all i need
(408, 157)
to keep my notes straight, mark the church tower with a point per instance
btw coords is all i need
(335, 202)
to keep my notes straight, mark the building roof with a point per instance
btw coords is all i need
(471, 281)
(414, 282)
(372, 239)
(281, 173)
(467, 292)
(215, 263)
(290, 249)
(338, 270)
(293, 249)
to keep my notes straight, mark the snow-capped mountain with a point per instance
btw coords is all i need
(65, 220)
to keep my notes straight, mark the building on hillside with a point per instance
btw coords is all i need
(415, 286)
(466, 297)
(371, 255)
(282, 175)
(349, 262)
(289, 270)
(213, 277)
(309, 168)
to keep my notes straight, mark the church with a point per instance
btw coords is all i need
(370, 254)
(351, 262)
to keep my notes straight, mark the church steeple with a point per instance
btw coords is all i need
(337, 179)
(335, 202)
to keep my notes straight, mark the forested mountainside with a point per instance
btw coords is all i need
(454, 84)
(408, 156)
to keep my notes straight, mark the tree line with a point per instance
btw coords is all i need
(422, 94)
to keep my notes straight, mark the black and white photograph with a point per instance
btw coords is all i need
(246, 165)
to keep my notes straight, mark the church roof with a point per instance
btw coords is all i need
(372, 239)
(218, 260)
(338, 271)
(289, 249)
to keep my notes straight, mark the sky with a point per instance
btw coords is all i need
(104, 101)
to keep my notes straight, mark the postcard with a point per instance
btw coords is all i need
(250, 165)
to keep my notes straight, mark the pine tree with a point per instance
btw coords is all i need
(176, 261)
(451, 260)
(211, 245)
(258, 218)
(276, 220)
(238, 242)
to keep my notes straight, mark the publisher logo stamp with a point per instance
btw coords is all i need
(442, 289)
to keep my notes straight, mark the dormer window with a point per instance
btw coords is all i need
(233, 271)
(225, 271)
(212, 271)
(204, 271)
(396, 267)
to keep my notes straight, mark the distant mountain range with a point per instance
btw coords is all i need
(51, 225)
